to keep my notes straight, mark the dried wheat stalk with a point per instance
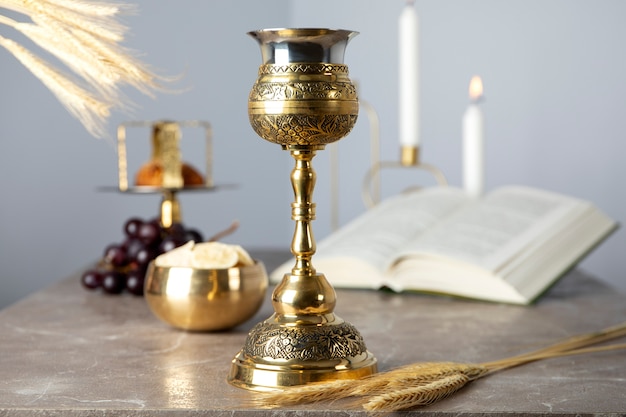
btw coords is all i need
(81, 103)
(85, 36)
(421, 384)
(417, 395)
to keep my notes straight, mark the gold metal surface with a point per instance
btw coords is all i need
(166, 148)
(302, 105)
(170, 212)
(205, 299)
(409, 155)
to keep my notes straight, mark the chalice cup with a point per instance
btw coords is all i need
(302, 100)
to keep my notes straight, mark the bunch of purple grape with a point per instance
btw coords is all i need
(123, 266)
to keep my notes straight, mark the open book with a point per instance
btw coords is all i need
(509, 246)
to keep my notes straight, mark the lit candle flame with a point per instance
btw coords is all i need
(475, 88)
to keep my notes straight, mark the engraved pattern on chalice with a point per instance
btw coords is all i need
(304, 343)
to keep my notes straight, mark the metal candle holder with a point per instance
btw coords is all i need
(409, 158)
(302, 100)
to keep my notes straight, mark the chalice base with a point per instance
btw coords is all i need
(283, 352)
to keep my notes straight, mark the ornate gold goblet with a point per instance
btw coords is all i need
(302, 100)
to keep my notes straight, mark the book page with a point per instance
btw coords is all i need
(491, 232)
(378, 234)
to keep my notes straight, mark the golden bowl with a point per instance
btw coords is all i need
(205, 299)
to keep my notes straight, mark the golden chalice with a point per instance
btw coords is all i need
(302, 100)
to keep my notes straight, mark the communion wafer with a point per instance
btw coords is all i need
(206, 255)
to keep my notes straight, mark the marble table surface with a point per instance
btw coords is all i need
(67, 351)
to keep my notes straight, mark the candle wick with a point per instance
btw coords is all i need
(478, 99)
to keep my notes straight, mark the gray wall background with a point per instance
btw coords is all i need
(555, 94)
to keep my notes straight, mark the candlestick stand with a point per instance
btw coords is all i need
(409, 158)
(302, 100)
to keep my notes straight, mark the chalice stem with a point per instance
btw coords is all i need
(303, 179)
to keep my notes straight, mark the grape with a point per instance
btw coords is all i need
(116, 255)
(149, 233)
(135, 281)
(155, 221)
(124, 265)
(176, 230)
(131, 227)
(169, 243)
(133, 246)
(91, 279)
(193, 234)
(145, 255)
(113, 282)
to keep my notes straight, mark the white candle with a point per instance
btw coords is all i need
(473, 142)
(408, 77)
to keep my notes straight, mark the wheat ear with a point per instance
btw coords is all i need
(303, 394)
(84, 35)
(100, 9)
(80, 102)
(417, 395)
(415, 374)
(55, 39)
(421, 384)
(78, 13)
